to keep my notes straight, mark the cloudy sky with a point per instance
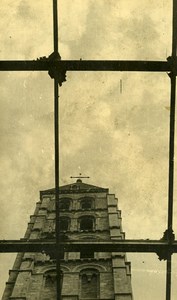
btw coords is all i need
(117, 137)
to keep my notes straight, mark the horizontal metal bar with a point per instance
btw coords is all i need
(99, 246)
(86, 65)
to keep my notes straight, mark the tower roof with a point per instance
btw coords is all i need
(76, 187)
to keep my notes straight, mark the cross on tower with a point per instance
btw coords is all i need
(80, 176)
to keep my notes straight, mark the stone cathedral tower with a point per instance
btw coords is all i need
(87, 212)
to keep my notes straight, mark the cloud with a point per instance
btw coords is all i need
(26, 29)
(24, 10)
(109, 34)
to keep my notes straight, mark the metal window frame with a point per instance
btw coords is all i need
(57, 69)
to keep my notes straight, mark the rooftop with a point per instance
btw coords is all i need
(76, 187)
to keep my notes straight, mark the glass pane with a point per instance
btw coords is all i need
(115, 29)
(115, 128)
(148, 276)
(26, 159)
(6, 262)
(26, 29)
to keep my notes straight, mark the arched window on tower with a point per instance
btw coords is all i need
(49, 290)
(65, 203)
(86, 203)
(89, 284)
(64, 224)
(87, 223)
(50, 279)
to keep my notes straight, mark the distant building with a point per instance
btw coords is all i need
(86, 212)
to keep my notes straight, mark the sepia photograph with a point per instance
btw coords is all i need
(88, 150)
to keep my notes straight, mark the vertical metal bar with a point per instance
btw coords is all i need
(56, 113)
(171, 152)
(56, 134)
(174, 30)
(56, 119)
(55, 25)
(168, 278)
(171, 149)
(171, 181)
